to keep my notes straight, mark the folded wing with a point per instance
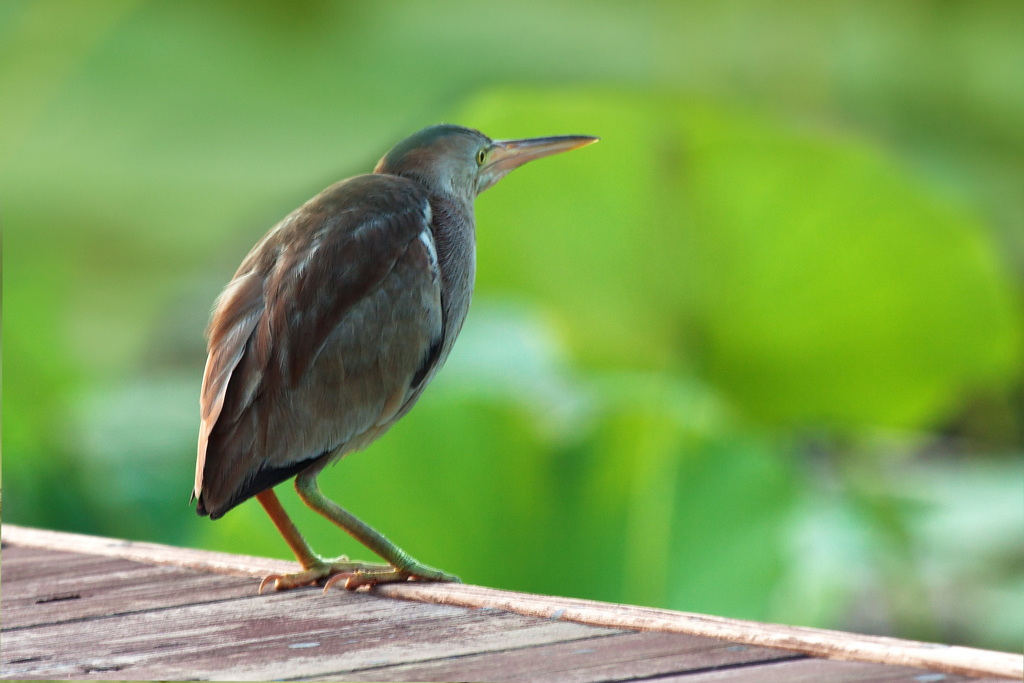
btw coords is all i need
(318, 338)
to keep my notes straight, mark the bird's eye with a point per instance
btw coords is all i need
(480, 156)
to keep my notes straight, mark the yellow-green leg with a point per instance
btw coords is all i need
(314, 567)
(401, 566)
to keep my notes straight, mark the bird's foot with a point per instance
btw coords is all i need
(319, 570)
(372, 577)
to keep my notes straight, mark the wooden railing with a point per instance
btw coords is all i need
(819, 643)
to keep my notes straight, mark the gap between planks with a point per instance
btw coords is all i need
(817, 642)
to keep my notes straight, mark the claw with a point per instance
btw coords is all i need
(303, 578)
(360, 579)
(336, 578)
(354, 574)
(263, 584)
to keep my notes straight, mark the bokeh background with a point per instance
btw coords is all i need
(758, 353)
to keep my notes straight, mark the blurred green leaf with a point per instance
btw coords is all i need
(800, 269)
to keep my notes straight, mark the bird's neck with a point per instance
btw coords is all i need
(455, 238)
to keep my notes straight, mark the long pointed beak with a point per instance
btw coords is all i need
(506, 155)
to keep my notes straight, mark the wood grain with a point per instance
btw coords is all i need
(105, 587)
(627, 656)
(817, 671)
(818, 642)
(299, 633)
(149, 553)
(182, 614)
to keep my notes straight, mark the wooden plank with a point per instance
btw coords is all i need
(113, 586)
(150, 553)
(283, 635)
(816, 671)
(20, 564)
(627, 656)
(30, 576)
(818, 642)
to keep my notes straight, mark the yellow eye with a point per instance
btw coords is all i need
(480, 156)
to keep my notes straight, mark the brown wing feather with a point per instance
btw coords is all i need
(325, 263)
(238, 311)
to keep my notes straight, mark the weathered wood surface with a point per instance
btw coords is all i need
(83, 607)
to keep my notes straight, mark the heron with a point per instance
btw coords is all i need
(332, 327)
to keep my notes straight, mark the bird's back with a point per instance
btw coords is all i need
(327, 333)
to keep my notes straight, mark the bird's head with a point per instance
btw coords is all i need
(464, 162)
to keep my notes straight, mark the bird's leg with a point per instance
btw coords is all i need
(303, 553)
(314, 567)
(402, 565)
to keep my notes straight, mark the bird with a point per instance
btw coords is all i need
(332, 327)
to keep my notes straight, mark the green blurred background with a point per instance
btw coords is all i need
(758, 353)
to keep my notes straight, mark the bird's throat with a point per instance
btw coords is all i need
(455, 239)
